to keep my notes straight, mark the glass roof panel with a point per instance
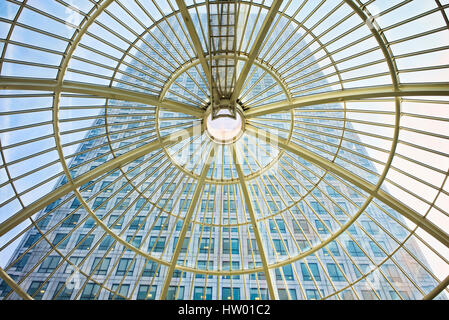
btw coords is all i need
(335, 188)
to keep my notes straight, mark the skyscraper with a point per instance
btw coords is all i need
(321, 237)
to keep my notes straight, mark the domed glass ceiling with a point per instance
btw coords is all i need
(224, 149)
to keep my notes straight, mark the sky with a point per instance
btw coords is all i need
(7, 10)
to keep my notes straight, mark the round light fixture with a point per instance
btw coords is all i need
(225, 129)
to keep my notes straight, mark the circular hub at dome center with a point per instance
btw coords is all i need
(226, 129)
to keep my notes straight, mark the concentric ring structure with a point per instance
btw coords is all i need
(336, 188)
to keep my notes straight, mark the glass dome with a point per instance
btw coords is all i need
(326, 178)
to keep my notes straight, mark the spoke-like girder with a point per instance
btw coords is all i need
(11, 83)
(252, 216)
(187, 219)
(197, 45)
(437, 290)
(255, 48)
(14, 285)
(112, 164)
(378, 32)
(361, 183)
(406, 90)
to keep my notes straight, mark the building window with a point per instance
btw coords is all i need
(71, 220)
(234, 249)
(178, 273)
(49, 264)
(230, 294)
(119, 292)
(185, 244)
(84, 244)
(313, 268)
(157, 244)
(88, 186)
(125, 188)
(333, 247)
(229, 206)
(284, 294)
(260, 275)
(323, 229)
(32, 239)
(116, 221)
(90, 223)
(100, 266)
(125, 266)
(106, 243)
(401, 296)
(353, 249)
(59, 242)
(280, 247)
(393, 273)
(287, 271)
(207, 205)
(134, 241)
(75, 204)
(138, 223)
(347, 295)
(141, 202)
(252, 246)
(254, 294)
(52, 205)
(90, 291)
(62, 292)
(186, 188)
(206, 245)
(318, 208)
(334, 272)
(377, 251)
(226, 265)
(122, 204)
(146, 292)
(369, 295)
(74, 261)
(201, 293)
(352, 229)
(300, 224)
(202, 265)
(185, 205)
(332, 192)
(99, 202)
(150, 269)
(370, 227)
(175, 293)
(37, 289)
(107, 186)
(303, 245)
(280, 225)
(19, 265)
(161, 223)
(312, 294)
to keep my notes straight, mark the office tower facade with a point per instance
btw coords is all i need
(322, 237)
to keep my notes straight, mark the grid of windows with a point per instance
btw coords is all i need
(265, 211)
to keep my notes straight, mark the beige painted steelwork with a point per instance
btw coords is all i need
(372, 91)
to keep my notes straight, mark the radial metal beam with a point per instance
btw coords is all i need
(185, 225)
(366, 186)
(12, 284)
(437, 290)
(13, 83)
(430, 89)
(256, 48)
(252, 216)
(197, 44)
(112, 164)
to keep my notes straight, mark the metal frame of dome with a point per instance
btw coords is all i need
(396, 92)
